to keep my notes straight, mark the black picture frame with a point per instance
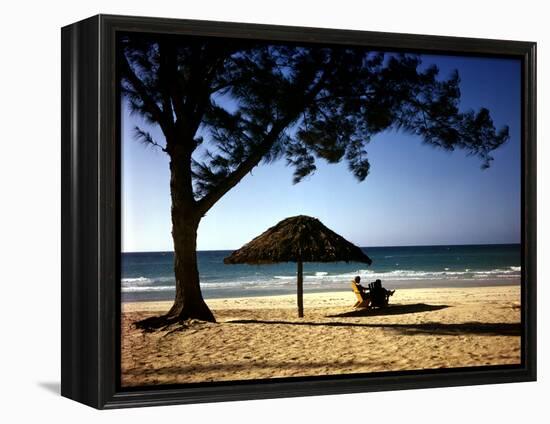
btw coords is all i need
(91, 216)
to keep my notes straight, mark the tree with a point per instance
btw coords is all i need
(225, 106)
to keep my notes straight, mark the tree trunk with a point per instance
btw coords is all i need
(185, 222)
(188, 302)
(300, 289)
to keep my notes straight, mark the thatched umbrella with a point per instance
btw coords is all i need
(298, 239)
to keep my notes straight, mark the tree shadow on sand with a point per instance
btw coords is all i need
(390, 310)
(426, 328)
(429, 328)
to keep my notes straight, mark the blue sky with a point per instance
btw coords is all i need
(414, 195)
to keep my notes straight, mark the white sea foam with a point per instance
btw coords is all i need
(144, 281)
(136, 281)
(404, 274)
(146, 289)
(322, 279)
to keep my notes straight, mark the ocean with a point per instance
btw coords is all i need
(149, 275)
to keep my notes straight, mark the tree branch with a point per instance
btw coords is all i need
(167, 71)
(204, 204)
(149, 104)
(146, 138)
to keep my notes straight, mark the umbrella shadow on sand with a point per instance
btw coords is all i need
(427, 328)
(390, 310)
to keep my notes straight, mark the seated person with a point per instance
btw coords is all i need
(380, 296)
(362, 292)
(378, 286)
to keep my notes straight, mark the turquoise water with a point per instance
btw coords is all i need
(149, 275)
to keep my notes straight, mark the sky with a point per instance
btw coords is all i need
(414, 195)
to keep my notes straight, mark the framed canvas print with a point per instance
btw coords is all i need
(254, 211)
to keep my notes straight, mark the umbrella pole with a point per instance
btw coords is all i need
(300, 283)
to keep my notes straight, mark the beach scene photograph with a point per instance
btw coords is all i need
(312, 210)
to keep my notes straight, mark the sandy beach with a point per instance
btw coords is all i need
(262, 337)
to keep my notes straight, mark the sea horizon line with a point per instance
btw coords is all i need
(362, 247)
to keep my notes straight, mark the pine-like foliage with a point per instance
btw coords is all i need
(253, 102)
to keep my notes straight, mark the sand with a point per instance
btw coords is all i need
(262, 337)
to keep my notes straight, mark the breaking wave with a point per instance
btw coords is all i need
(143, 284)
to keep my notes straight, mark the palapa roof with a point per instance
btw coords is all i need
(298, 238)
